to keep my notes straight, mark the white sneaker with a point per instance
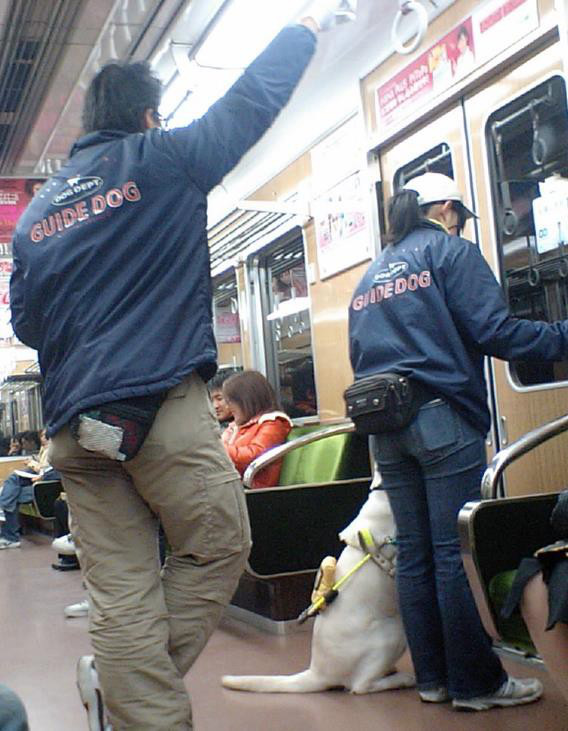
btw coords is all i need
(435, 695)
(5, 543)
(81, 609)
(64, 545)
(513, 692)
(2, 516)
(90, 692)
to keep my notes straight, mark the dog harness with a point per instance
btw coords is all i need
(372, 553)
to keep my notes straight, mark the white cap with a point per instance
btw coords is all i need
(434, 188)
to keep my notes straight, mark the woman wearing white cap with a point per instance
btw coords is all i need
(429, 308)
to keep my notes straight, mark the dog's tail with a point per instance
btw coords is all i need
(305, 682)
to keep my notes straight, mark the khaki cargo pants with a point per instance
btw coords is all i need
(147, 627)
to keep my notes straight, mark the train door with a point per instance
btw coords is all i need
(438, 146)
(518, 128)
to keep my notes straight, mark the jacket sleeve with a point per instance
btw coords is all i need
(211, 146)
(477, 303)
(25, 325)
(269, 434)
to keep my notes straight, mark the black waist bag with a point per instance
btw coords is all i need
(381, 403)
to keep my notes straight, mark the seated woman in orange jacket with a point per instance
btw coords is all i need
(258, 424)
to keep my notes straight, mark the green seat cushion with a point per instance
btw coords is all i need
(28, 509)
(321, 461)
(512, 630)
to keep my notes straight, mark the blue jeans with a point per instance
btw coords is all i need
(430, 470)
(16, 490)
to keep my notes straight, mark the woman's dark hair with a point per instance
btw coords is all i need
(216, 383)
(463, 33)
(119, 95)
(251, 392)
(404, 215)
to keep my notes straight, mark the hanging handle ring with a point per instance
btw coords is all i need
(407, 6)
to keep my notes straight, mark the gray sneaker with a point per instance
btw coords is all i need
(80, 609)
(5, 543)
(91, 696)
(435, 695)
(513, 692)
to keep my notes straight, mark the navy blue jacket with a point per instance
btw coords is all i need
(111, 280)
(430, 307)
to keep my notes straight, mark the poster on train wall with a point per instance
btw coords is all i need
(15, 194)
(227, 326)
(343, 233)
(490, 29)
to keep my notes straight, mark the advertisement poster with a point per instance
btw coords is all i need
(15, 194)
(343, 234)
(227, 326)
(478, 38)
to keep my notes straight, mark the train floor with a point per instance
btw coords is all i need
(39, 651)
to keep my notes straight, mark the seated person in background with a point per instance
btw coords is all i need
(215, 386)
(31, 443)
(541, 588)
(303, 392)
(258, 424)
(63, 543)
(5, 443)
(15, 445)
(18, 488)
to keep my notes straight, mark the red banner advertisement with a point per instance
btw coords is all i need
(15, 194)
(491, 28)
(434, 70)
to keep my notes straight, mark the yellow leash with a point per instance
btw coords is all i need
(366, 540)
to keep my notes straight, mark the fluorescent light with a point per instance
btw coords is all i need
(173, 95)
(243, 30)
(212, 85)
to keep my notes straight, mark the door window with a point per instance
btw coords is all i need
(436, 160)
(527, 143)
(288, 337)
(226, 322)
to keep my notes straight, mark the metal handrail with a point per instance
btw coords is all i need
(278, 452)
(521, 446)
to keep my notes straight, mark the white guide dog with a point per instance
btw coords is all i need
(358, 638)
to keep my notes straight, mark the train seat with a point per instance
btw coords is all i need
(45, 494)
(325, 479)
(495, 536)
(496, 533)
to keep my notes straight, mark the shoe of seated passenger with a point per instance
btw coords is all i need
(2, 516)
(64, 545)
(435, 695)
(513, 692)
(5, 543)
(80, 609)
(91, 696)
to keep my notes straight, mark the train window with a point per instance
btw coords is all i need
(288, 338)
(527, 143)
(226, 322)
(436, 160)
